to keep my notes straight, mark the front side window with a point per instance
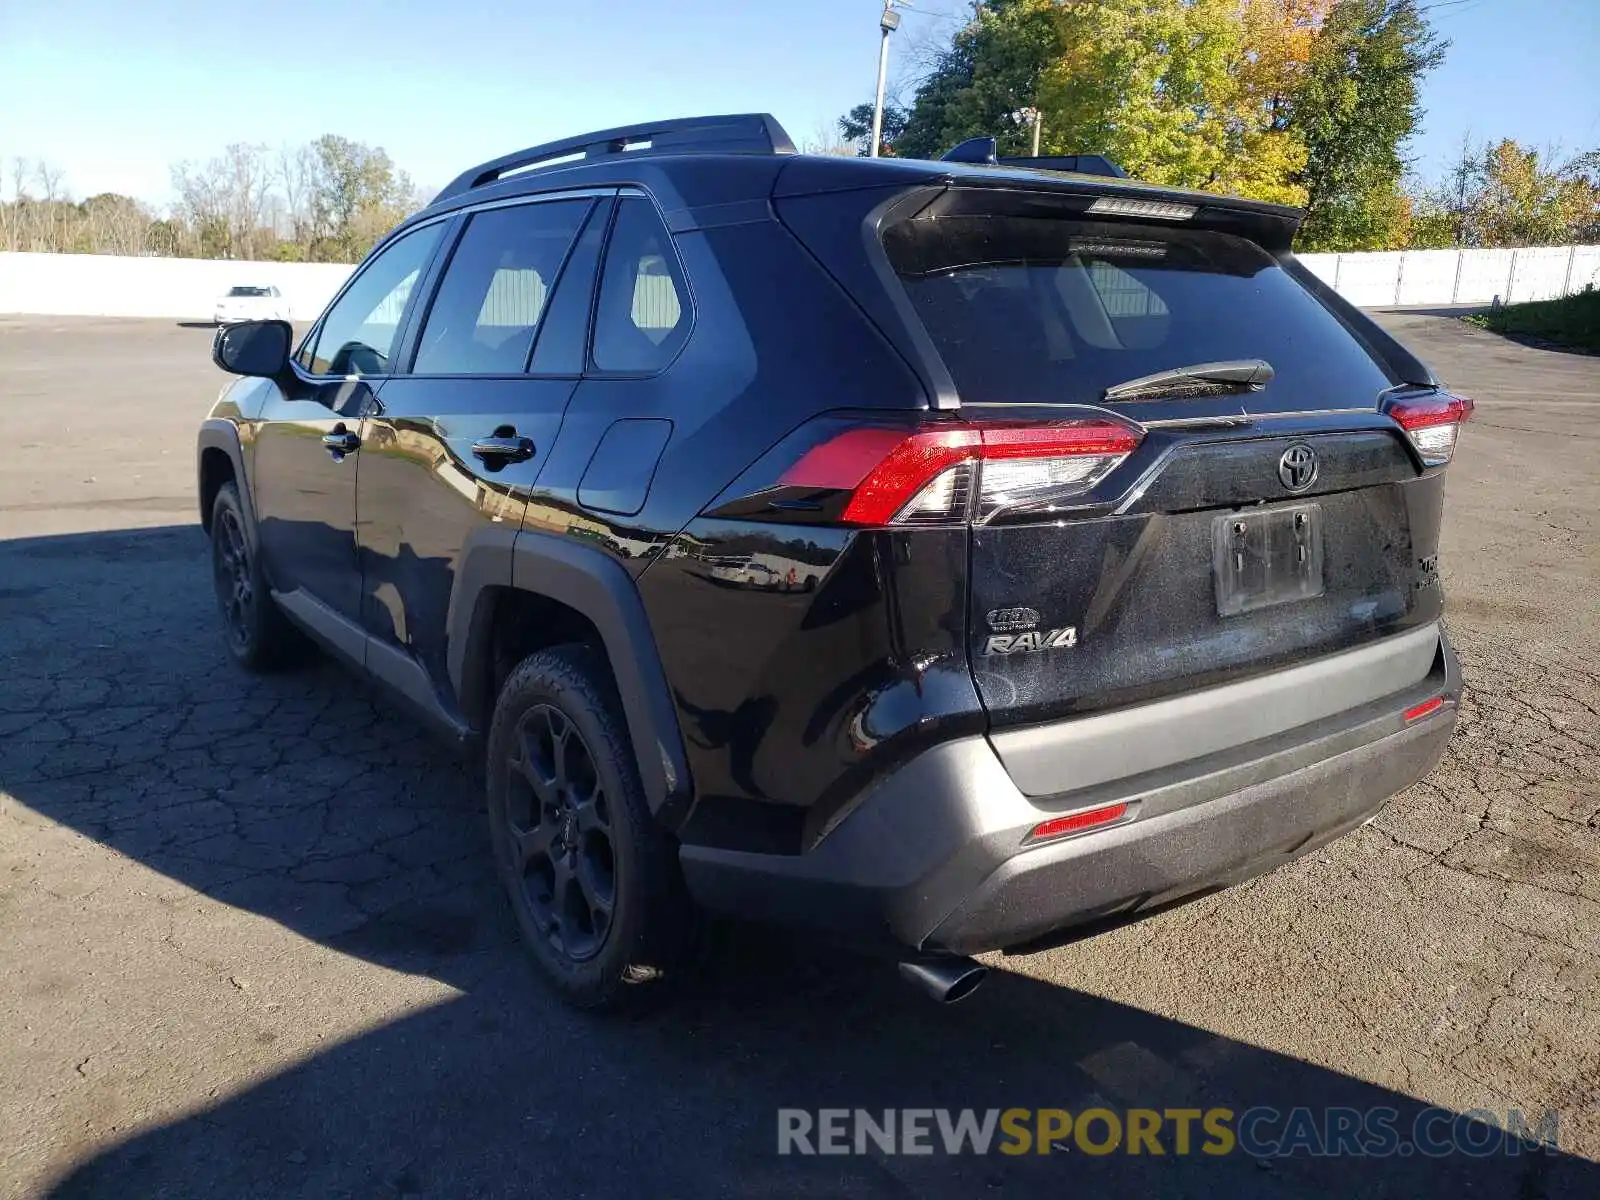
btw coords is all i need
(358, 334)
(492, 297)
(642, 320)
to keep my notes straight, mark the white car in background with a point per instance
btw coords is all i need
(250, 303)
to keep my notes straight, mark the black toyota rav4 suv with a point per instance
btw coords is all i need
(944, 556)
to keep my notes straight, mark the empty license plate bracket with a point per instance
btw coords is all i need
(1266, 556)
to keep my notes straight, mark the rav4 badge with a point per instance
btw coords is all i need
(1031, 642)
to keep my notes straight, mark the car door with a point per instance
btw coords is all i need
(454, 444)
(307, 444)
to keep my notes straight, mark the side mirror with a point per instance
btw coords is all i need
(254, 348)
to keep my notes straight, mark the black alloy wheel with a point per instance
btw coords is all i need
(559, 843)
(594, 880)
(230, 566)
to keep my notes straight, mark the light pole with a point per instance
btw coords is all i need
(888, 22)
(1036, 119)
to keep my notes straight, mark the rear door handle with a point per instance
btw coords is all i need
(501, 449)
(340, 441)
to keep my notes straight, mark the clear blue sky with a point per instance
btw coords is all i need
(115, 90)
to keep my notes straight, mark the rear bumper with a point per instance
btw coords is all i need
(934, 857)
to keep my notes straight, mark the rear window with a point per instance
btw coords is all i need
(248, 291)
(1030, 310)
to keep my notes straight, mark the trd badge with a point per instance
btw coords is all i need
(1011, 620)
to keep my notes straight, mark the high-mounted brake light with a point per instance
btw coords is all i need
(1432, 422)
(1161, 210)
(962, 472)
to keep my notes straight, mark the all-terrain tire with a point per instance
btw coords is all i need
(258, 635)
(593, 880)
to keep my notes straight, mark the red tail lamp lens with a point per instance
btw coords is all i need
(932, 475)
(1432, 423)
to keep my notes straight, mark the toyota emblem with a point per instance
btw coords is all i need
(1297, 469)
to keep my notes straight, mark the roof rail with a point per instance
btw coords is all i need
(1083, 164)
(738, 133)
(983, 150)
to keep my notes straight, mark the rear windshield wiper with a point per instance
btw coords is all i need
(1201, 379)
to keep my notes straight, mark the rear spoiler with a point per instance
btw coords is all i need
(1002, 192)
(1011, 190)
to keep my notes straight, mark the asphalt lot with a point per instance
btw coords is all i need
(249, 943)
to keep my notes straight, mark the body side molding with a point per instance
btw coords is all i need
(390, 666)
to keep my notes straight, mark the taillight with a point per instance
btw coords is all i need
(962, 472)
(1432, 422)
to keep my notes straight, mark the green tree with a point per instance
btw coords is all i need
(113, 224)
(165, 238)
(357, 195)
(1502, 194)
(1165, 88)
(1526, 202)
(980, 82)
(1446, 214)
(1174, 90)
(856, 126)
(1355, 109)
(925, 134)
(1585, 169)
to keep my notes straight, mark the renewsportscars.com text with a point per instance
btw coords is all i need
(1261, 1132)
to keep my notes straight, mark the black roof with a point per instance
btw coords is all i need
(695, 162)
(743, 133)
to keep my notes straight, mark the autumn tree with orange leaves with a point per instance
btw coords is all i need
(1306, 102)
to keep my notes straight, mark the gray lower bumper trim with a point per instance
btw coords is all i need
(1150, 864)
(1065, 756)
(935, 857)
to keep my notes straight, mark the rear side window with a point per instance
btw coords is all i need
(492, 297)
(1032, 310)
(642, 319)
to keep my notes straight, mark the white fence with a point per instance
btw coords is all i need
(101, 285)
(1458, 276)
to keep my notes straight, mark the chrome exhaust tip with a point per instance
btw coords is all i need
(945, 978)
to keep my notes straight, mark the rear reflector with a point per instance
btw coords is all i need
(963, 471)
(1432, 423)
(1426, 709)
(1073, 822)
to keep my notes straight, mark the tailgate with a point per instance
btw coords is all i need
(1181, 592)
(1254, 527)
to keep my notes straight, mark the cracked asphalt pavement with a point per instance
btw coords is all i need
(249, 942)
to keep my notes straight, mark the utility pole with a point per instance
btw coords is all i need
(888, 23)
(1037, 117)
